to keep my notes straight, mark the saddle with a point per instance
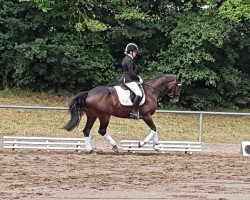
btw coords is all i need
(126, 96)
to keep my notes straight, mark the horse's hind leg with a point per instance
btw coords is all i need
(104, 122)
(152, 135)
(86, 131)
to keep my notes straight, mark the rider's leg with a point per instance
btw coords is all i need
(135, 88)
(135, 111)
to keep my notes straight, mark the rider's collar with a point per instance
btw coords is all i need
(130, 56)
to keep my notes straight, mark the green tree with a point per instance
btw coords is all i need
(78, 44)
(44, 50)
(203, 48)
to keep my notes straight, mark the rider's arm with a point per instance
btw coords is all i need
(130, 66)
(131, 71)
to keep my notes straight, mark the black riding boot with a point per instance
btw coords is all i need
(135, 112)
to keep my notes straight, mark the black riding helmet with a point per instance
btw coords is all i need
(131, 47)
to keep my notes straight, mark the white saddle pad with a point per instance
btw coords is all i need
(124, 96)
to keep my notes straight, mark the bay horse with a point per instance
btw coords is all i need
(102, 102)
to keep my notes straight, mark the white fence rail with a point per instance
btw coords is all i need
(164, 146)
(43, 143)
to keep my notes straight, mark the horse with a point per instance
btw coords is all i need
(102, 102)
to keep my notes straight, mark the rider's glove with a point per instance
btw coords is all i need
(140, 81)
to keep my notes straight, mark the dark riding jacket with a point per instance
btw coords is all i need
(128, 71)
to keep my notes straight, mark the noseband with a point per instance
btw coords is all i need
(172, 91)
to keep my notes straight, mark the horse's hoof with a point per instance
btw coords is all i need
(90, 151)
(115, 148)
(140, 144)
(156, 147)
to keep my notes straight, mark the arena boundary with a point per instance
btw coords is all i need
(43, 143)
(200, 113)
(164, 146)
(77, 144)
(170, 146)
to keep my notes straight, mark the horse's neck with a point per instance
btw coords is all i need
(160, 83)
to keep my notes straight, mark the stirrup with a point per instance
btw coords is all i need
(134, 115)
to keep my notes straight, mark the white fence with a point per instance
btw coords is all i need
(200, 113)
(166, 145)
(43, 143)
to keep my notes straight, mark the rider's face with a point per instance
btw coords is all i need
(134, 53)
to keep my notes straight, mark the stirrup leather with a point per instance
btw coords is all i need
(134, 115)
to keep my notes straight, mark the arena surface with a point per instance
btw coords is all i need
(219, 172)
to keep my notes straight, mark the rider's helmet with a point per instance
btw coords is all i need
(131, 47)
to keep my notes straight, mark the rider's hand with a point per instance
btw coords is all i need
(140, 81)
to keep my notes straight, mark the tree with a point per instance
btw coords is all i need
(46, 51)
(203, 48)
(78, 44)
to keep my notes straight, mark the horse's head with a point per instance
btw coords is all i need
(166, 83)
(174, 88)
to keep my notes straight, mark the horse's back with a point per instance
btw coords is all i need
(101, 90)
(100, 95)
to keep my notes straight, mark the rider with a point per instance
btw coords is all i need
(130, 79)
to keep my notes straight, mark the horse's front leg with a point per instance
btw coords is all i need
(152, 135)
(104, 122)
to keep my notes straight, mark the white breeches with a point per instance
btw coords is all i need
(135, 88)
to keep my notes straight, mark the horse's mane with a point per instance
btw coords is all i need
(159, 76)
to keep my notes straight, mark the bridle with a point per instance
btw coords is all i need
(173, 88)
(172, 91)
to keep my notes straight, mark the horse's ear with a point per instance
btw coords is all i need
(178, 77)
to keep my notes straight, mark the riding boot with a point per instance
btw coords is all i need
(135, 112)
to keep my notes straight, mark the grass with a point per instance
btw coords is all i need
(216, 128)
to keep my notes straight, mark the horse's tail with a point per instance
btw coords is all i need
(76, 110)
